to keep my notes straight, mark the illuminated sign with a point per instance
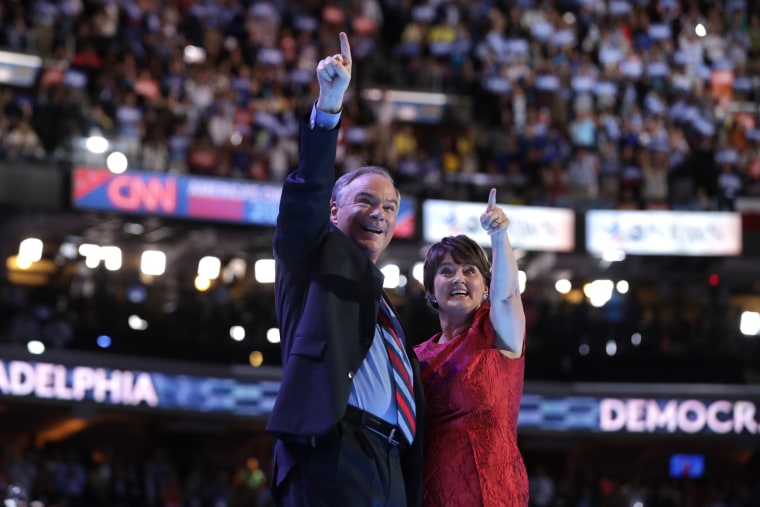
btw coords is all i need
(406, 218)
(135, 388)
(55, 381)
(176, 196)
(638, 415)
(194, 197)
(226, 395)
(671, 416)
(530, 227)
(664, 232)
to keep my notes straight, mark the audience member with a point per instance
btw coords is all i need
(607, 77)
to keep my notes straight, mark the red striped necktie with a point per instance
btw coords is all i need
(402, 377)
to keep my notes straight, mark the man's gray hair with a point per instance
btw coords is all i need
(342, 182)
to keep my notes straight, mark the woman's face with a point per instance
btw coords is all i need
(458, 288)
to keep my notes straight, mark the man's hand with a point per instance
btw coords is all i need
(333, 75)
(493, 219)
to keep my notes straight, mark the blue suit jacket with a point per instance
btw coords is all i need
(327, 297)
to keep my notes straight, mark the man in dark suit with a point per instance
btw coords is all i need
(349, 410)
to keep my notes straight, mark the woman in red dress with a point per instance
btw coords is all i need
(473, 371)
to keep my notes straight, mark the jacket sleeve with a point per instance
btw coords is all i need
(304, 214)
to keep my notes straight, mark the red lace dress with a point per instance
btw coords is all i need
(472, 400)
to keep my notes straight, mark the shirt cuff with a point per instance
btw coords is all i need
(323, 120)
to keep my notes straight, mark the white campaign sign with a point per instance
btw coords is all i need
(664, 232)
(530, 227)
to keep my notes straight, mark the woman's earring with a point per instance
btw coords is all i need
(435, 301)
(485, 296)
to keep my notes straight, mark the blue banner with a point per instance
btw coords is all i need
(194, 198)
(176, 196)
(136, 388)
(255, 397)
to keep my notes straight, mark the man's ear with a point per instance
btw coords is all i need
(334, 212)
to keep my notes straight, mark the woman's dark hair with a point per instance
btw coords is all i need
(463, 250)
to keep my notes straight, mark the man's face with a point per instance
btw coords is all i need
(366, 212)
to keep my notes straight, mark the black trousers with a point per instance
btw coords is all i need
(349, 467)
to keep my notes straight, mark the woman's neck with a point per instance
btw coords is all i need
(453, 325)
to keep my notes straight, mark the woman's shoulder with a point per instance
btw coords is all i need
(481, 332)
